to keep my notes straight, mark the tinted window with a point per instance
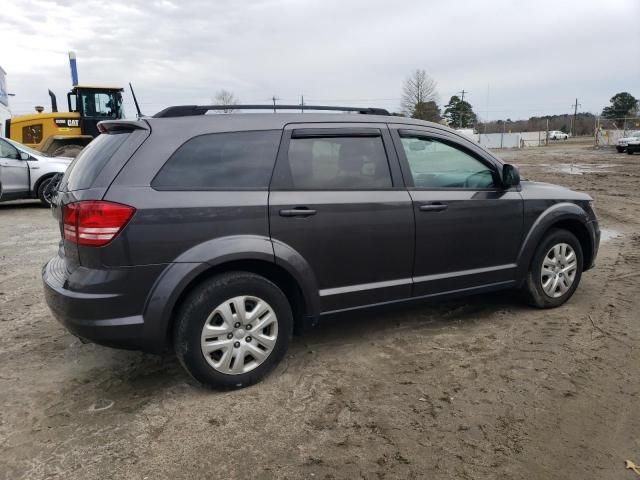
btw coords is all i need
(92, 159)
(221, 161)
(8, 151)
(436, 164)
(354, 163)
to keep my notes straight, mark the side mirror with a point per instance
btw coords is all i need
(25, 156)
(510, 176)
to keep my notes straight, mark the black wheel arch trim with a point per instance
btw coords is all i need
(553, 216)
(176, 279)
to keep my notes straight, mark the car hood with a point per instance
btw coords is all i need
(549, 191)
(628, 139)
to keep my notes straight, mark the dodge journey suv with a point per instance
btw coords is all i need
(218, 236)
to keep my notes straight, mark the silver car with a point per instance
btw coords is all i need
(27, 173)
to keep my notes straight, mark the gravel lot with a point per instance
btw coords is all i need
(477, 388)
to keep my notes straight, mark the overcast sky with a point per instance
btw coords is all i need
(515, 58)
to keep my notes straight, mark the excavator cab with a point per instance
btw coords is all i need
(67, 133)
(95, 104)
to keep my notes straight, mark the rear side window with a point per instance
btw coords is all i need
(220, 161)
(340, 163)
(88, 165)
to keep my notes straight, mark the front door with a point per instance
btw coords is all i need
(468, 228)
(14, 172)
(337, 199)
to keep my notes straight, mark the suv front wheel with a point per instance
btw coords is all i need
(233, 329)
(555, 270)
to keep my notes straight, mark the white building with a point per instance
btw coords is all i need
(5, 113)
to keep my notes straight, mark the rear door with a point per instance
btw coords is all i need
(337, 199)
(14, 172)
(468, 228)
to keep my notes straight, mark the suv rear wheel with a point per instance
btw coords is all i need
(555, 270)
(233, 329)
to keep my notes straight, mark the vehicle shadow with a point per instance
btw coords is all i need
(22, 204)
(137, 376)
(426, 315)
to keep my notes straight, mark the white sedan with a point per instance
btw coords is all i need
(558, 135)
(621, 144)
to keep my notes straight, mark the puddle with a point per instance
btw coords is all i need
(580, 168)
(609, 234)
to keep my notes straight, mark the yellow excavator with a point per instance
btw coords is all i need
(67, 133)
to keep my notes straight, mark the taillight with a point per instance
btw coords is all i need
(94, 222)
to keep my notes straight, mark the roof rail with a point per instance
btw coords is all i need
(191, 110)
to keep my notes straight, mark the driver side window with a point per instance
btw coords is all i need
(8, 151)
(436, 164)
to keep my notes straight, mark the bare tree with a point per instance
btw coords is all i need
(225, 97)
(418, 89)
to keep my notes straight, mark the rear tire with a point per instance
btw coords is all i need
(217, 352)
(71, 151)
(540, 289)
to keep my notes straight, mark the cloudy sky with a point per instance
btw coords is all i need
(515, 58)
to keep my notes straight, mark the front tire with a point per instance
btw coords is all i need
(555, 270)
(620, 149)
(44, 194)
(232, 330)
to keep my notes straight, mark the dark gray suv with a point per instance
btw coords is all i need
(221, 235)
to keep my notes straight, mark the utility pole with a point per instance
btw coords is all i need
(274, 98)
(575, 116)
(461, 107)
(302, 102)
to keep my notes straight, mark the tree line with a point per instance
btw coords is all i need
(420, 100)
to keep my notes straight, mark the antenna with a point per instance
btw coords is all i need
(135, 100)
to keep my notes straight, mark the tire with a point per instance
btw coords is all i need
(534, 288)
(71, 151)
(630, 151)
(42, 192)
(620, 149)
(209, 306)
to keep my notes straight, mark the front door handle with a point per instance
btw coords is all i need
(433, 207)
(297, 212)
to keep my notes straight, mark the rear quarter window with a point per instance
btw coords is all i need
(221, 161)
(93, 158)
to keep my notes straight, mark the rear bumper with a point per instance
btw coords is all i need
(112, 317)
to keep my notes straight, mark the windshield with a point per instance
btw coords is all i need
(29, 150)
(101, 104)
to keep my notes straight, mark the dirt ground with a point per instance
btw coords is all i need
(477, 388)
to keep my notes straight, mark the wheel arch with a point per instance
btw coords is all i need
(36, 186)
(567, 216)
(252, 254)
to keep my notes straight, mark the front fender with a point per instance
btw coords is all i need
(551, 216)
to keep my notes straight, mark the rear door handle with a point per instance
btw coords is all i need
(433, 207)
(297, 212)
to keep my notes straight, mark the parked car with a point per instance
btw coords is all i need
(27, 173)
(633, 146)
(621, 144)
(219, 235)
(558, 135)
